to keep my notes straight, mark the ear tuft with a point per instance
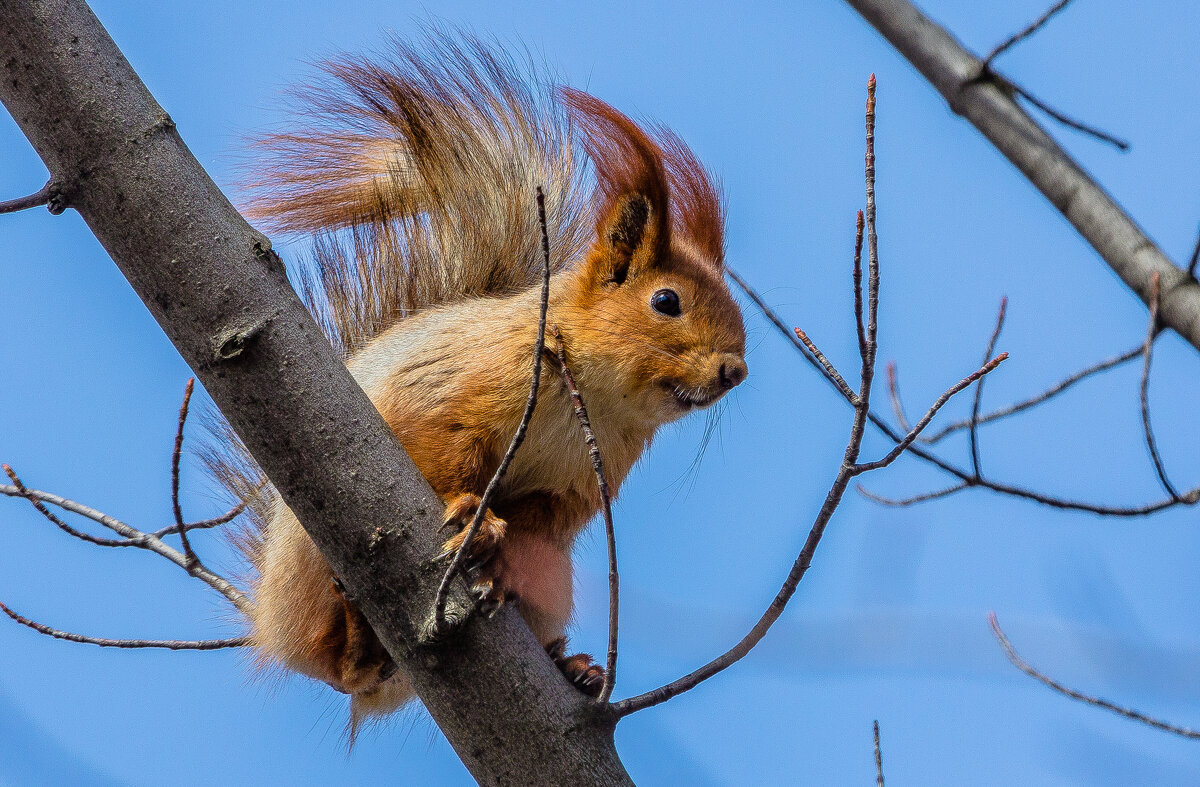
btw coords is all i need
(629, 227)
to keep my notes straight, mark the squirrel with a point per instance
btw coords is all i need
(414, 176)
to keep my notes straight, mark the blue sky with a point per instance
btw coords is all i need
(891, 621)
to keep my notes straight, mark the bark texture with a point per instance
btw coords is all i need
(222, 297)
(1115, 236)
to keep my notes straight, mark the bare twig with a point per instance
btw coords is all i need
(1191, 268)
(181, 528)
(857, 275)
(1032, 28)
(1128, 713)
(47, 195)
(901, 446)
(908, 501)
(894, 395)
(973, 425)
(205, 524)
(878, 758)
(105, 642)
(849, 467)
(443, 591)
(829, 369)
(21, 491)
(1064, 119)
(610, 669)
(1049, 393)
(1144, 391)
(132, 537)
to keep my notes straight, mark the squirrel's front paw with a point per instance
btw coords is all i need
(580, 670)
(484, 563)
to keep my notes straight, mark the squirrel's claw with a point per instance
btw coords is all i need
(579, 669)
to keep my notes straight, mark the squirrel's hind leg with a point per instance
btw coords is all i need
(579, 669)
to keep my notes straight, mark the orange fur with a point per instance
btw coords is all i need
(418, 181)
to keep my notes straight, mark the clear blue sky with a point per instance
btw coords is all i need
(891, 621)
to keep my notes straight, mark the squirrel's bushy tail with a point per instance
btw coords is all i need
(414, 173)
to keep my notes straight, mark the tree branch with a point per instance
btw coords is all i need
(105, 642)
(953, 71)
(878, 758)
(229, 310)
(1128, 713)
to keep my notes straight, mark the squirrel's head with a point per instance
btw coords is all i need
(658, 316)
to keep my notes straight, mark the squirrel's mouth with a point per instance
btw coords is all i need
(687, 398)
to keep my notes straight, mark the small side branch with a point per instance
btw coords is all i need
(614, 580)
(105, 642)
(1144, 391)
(1129, 713)
(1029, 30)
(47, 195)
(973, 425)
(443, 591)
(181, 528)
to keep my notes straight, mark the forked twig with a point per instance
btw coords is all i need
(1128, 713)
(443, 591)
(849, 468)
(105, 642)
(614, 580)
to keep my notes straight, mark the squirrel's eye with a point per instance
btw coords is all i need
(666, 302)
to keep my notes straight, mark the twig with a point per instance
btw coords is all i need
(973, 425)
(205, 524)
(849, 467)
(1144, 390)
(610, 669)
(21, 491)
(47, 195)
(901, 446)
(1128, 713)
(1032, 28)
(908, 501)
(1066, 120)
(443, 591)
(181, 528)
(826, 365)
(104, 642)
(1049, 393)
(878, 758)
(857, 275)
(132, 537)
(894, 395)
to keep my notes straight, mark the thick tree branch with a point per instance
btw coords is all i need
(1118, 240)
(222, 297)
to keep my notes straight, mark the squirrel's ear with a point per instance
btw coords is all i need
(627, 240)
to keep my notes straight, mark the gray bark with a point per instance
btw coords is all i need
(1099, 219)
(222, 298)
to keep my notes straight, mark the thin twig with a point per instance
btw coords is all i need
(105, 642)
(21, 491)
(837, 489)
(443, 591)
(1025, 33)
(610, 669)
(204, 524)
(908, 501)
(771, 315)
(1144, 389)
(857, 275)
(903, 445)
(894, 395)
(826, 365)
(878, 758)
(180, 526)
(1066, 120)
(46, 195)
(973, 425)
(1049, 393)
(1128, 713)
(132, 537)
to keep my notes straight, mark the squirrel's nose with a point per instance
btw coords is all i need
(733, 371)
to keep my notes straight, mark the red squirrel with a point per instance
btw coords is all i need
(415, 174)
